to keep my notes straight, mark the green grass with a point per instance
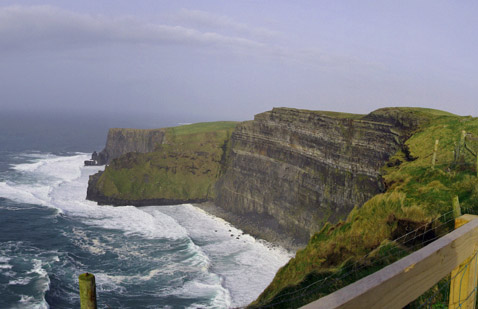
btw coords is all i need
(327, 113)
(415, 195)
(422, 111)
(202, 127)
(184, 167)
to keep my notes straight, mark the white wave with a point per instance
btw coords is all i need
(64, 188)
(199, 260)
(107, 283)
(57, 167)
(237, 268)
(26, 299)
(246, 264)
(28, 167)
(4, 259)
(38, 269)
(20, 281)
(6, 266)
(30, 194)
(31, 303)
(119, 279)
(41, 284)
(210, 287)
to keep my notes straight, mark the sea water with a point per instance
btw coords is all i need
(147, 257)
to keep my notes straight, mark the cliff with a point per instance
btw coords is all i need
(344, 185)
(417, 197)
(181, 167)
(290, 170)
(282, 175)
(123, 141)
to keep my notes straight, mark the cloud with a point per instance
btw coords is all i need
(47, 27)
(33, 28)
(221, 22)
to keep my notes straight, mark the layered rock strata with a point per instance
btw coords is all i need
(280, 176)
(123, 141)
(291, 170)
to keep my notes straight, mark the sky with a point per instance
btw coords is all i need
(190, 61)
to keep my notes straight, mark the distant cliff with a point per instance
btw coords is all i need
(292, 170)
(161, 167)
(123, 141)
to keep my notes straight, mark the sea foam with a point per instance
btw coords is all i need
(235, 269)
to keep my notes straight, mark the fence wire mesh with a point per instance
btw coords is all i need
(388, 253)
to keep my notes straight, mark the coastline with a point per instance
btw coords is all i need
(265, 231)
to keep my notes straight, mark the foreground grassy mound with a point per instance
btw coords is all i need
(184, 167)
(372, 236)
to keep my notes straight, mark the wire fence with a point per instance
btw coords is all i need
(439, 296)
(436, 297)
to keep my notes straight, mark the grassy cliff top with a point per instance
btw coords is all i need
(201, 127)
(430, 112)
(183, 167)
(198, 127)
(411, 112)
(415, 195)
(318, 112)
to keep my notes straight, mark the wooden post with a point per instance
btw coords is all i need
(461, 146)
(456, 208)
(435, 154)
(476, 163)
(464, 277)
(87, 291)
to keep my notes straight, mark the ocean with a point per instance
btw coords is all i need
(148, 257)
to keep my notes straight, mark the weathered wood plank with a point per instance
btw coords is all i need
(405, 280)
(463, 278)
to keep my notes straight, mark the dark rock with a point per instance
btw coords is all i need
(123, 141)
(91, 162)
(292, 170)
(393, 163)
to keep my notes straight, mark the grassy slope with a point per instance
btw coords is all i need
(184, 167)
(415, 195)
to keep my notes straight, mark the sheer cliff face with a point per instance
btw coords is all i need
(122, 141)
(293, 170)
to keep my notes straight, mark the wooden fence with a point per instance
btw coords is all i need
(402, 282)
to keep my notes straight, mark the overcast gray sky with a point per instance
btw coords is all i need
(214, 60)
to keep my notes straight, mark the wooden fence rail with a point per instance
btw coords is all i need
(402, 282)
